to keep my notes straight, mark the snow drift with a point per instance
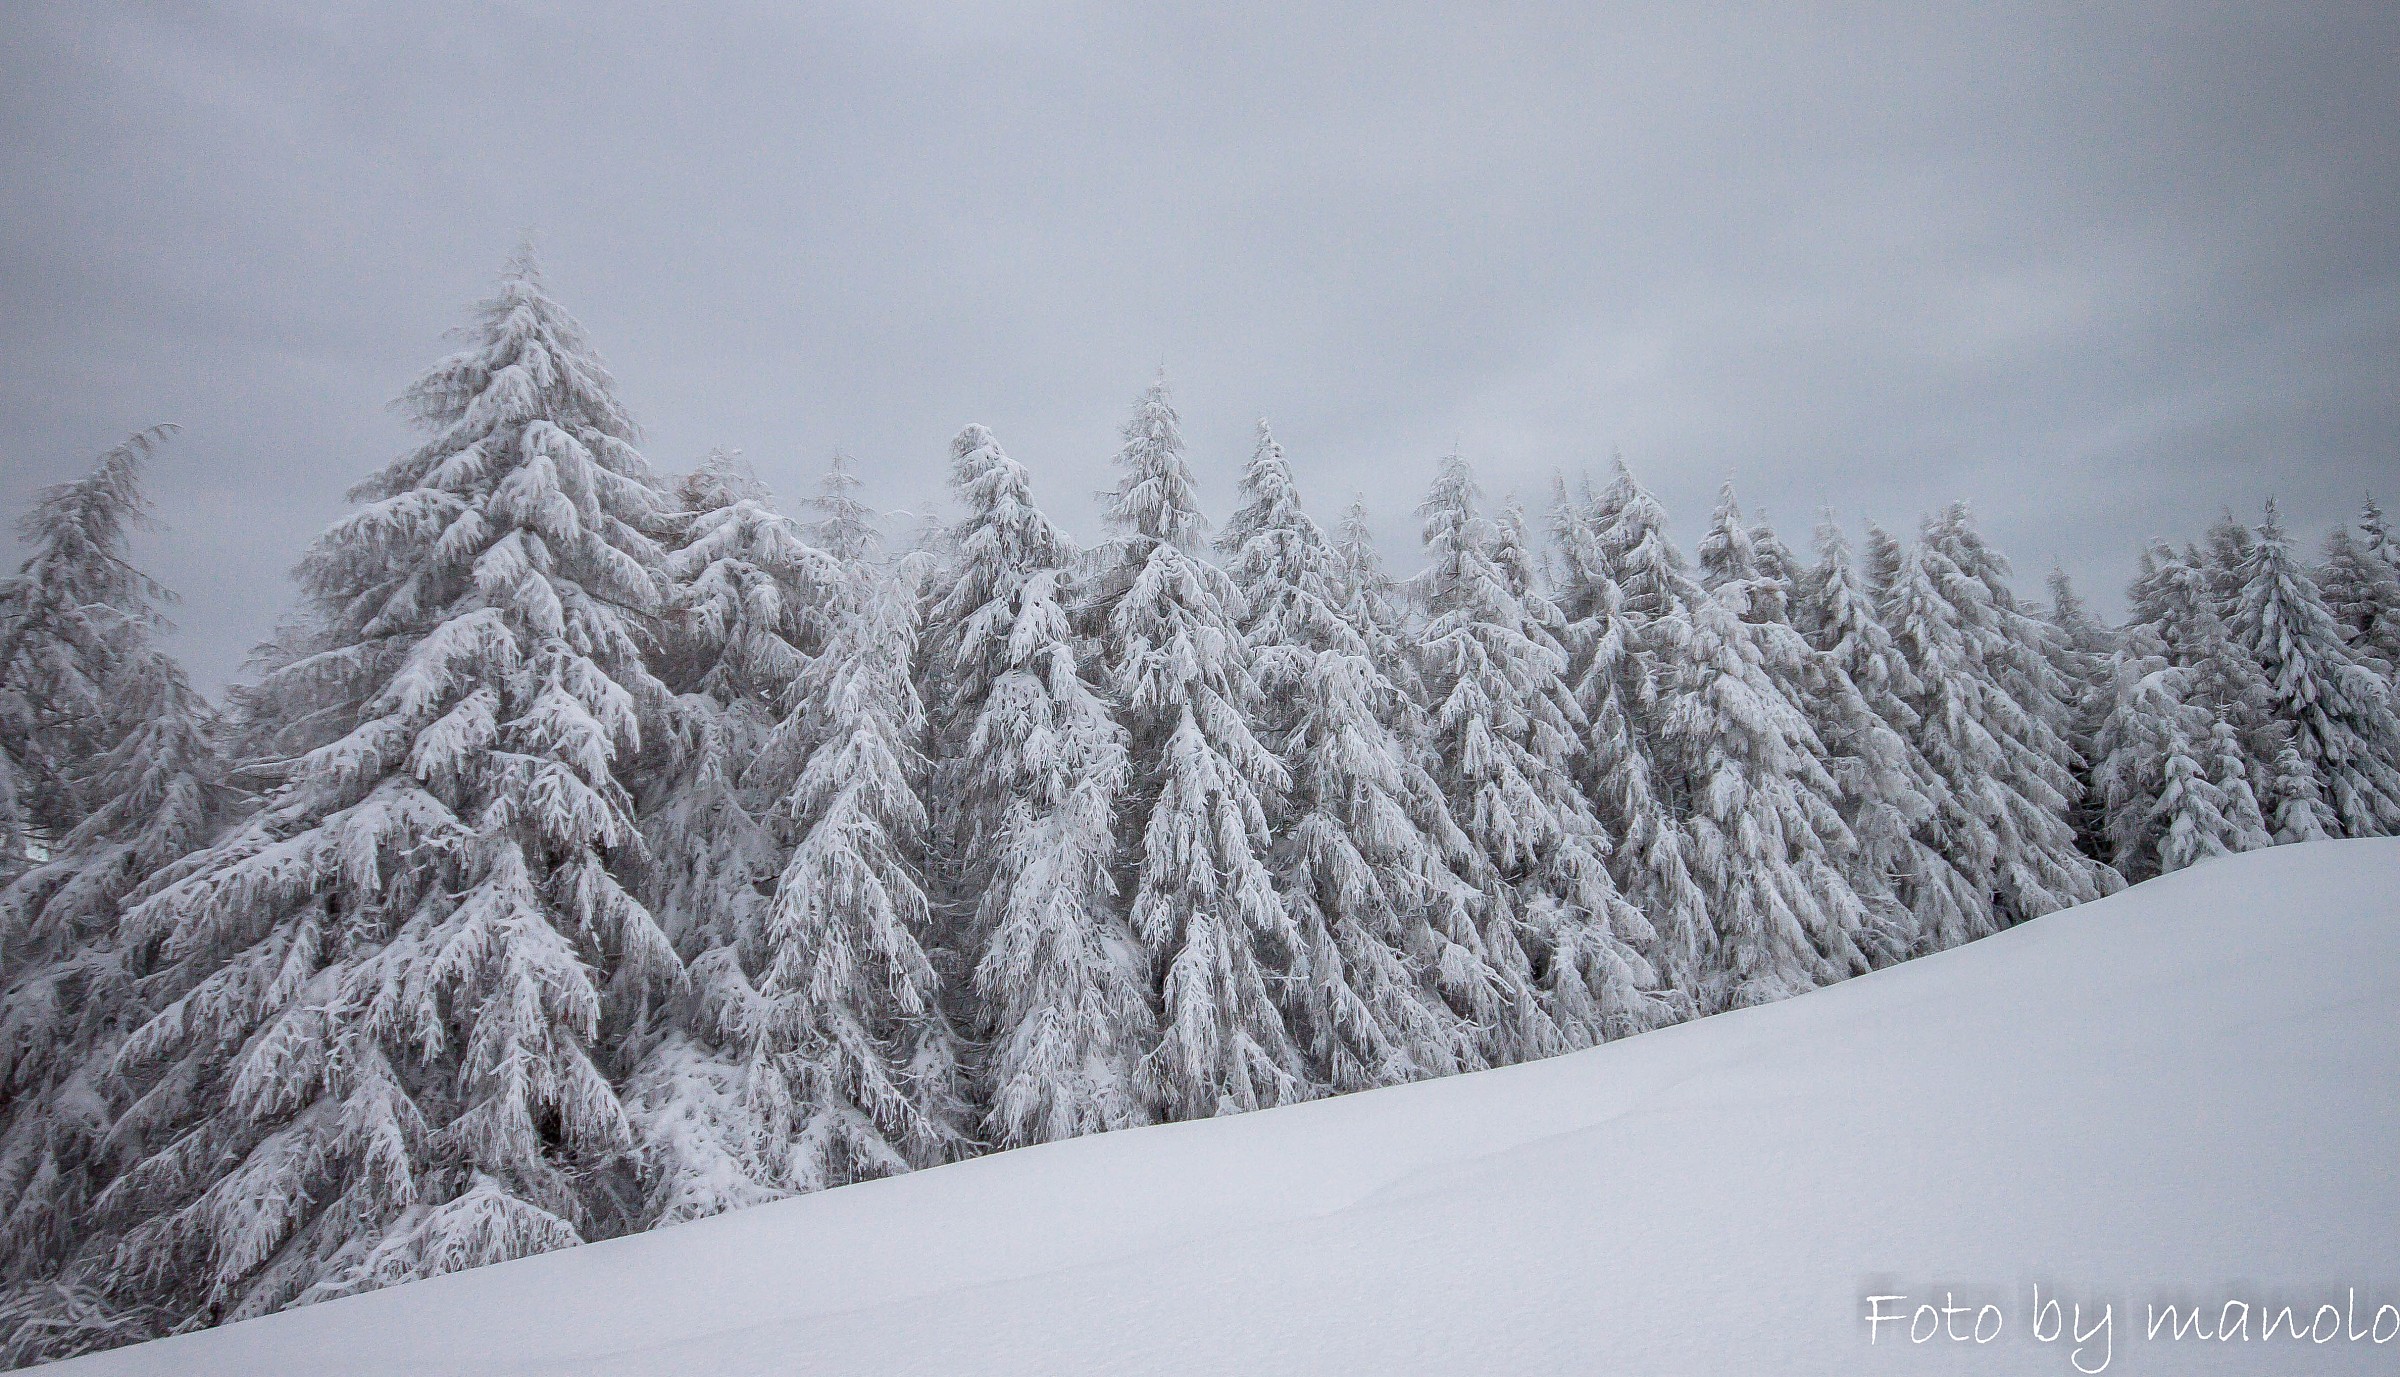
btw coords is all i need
(2184, 1093)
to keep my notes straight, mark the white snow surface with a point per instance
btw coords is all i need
(2184, 1092)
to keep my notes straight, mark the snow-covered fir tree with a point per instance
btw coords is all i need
(1564, 943)
(821, 1000)
(2295, 798)
(2221, 560)
(2228, 770)
(841, 524)
(1387, 976)
(2021, 708)
(1616, 689)
(1896, 796)
(1377, 607)
(815, 1052)
(393, 990)
(1939, 688)
(2081, 651)
(2172, 596)
(1993, 714)
(61, 614)
(1204, 906)
(1858, 768)
(110, 723)
(2165, 804)
(1746, 769)
(750, 599)
(2361, 586)
(1029, 770)
(2381, 544)
(2339, 709)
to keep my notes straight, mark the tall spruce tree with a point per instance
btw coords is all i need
(1895, 806)
(1565, 944)
(2172, 598)
(2080, 652)
(1388, 976)
(393, 988)
(821, 1053)
(2023, 707)
(1940, 688)
(844, 526)
(62, 615)
(2163, 811)
(2230, 543)
(2361, 585)
(125, 750)
(1744, 764)
(1376, 606)
(2339, 710)
(1856, 769)
(1616, 688)
(1029, 770)
(1654, 593)
(750, 600)
(1204, 906)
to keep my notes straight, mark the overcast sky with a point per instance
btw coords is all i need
(2101, 275)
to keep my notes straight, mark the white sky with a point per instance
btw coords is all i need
(2101, 275)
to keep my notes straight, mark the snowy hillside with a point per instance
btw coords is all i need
(2184, 1092)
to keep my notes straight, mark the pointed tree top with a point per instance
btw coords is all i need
(1267, 455)
(103, 504)
(845, 527)
(722, 478)
(1155, 498)
(1833, 543)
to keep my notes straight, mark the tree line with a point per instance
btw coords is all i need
(590, 851)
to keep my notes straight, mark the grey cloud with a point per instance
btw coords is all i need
(2099, 274)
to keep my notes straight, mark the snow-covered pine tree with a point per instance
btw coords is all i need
(2171, 596)
(61, 614)
(2361, 586)
(1942, 692)
(1617, 692)
(2024, 707)
(1387, 960)
(1655, 588)
(1204, 906)
(1564, 943)
(1741, 757)
(2230, 544)
(2382, 545)
(1029, 767)
(1897, 812)
(1856, 766)
(392, 986)
(2339, 709)
(844, 527)
(823, 996)
(2295, 798)
(2160, 768)
(2080, 651)
(1374, 604)
(140, 771)
(2229, 771)
(750, 598)
(818, 1053)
